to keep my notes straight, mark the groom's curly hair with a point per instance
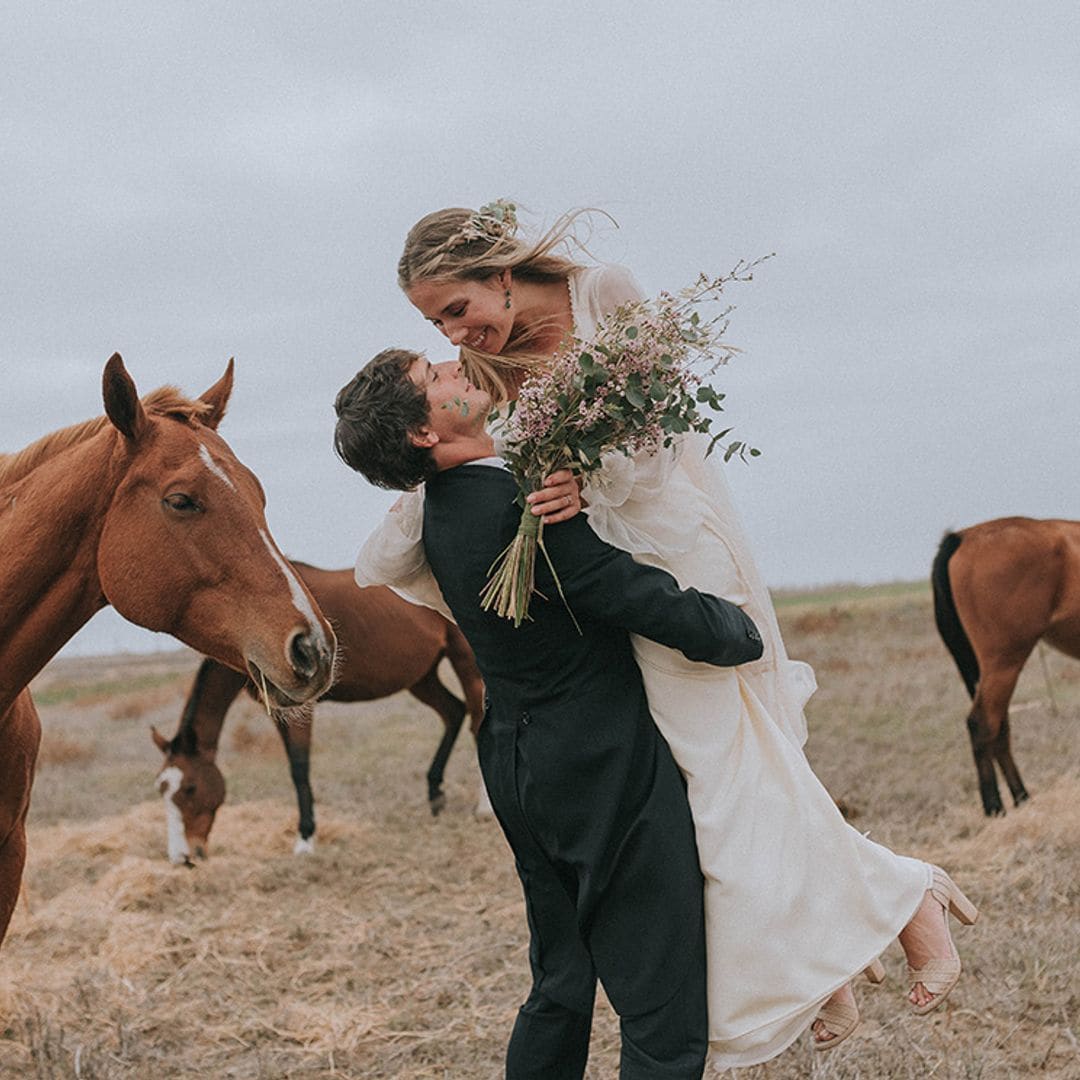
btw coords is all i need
(376, 410)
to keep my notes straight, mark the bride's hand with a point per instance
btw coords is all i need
(559, 499)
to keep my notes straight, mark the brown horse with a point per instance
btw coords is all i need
(146, 509)
(1000, 587)
(385, 644)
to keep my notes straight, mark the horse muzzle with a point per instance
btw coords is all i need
(306, 674)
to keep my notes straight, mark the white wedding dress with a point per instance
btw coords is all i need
(797, 901)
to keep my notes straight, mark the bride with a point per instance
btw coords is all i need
(797, 901)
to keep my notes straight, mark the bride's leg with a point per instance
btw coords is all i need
(933, 962)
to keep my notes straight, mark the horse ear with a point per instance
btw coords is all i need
(159, 740)
(122, 404)
(217, 397)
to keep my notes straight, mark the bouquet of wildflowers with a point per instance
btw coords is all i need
(635, 386)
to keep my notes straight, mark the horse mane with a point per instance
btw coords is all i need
(165, 401)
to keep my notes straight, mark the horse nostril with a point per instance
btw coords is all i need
(304, 653)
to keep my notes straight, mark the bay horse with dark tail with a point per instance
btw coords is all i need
(147, 509)
(999, 588)
(385, 644)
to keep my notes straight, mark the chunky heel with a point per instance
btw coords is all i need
(950, 896)
(875, 972)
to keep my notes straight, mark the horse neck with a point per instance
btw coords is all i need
(214, 690)
(50, 526)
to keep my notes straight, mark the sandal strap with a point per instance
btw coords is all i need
(840, 1020)
(936, 975)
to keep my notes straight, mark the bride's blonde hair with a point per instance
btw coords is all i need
(457, 244)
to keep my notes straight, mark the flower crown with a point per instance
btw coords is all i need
(494, 221)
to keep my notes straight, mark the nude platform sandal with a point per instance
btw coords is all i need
(840, 1018)
(941, 974)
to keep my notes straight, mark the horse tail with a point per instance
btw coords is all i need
(462, 660)
(948, 621)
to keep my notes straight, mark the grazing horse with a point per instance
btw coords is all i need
(385, 644)
(1000, 587)
(147, 509)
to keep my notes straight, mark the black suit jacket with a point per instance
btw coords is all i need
(582, 783)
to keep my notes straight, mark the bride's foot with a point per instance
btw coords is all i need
(836, 1019)
(933, 962)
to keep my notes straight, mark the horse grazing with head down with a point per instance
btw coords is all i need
(999, 588)
(146, 509)
(385, 644)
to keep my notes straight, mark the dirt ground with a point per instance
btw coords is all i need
(399, 948)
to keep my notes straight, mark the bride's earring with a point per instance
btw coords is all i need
(508, 299)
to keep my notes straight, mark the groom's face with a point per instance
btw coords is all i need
(456, 407)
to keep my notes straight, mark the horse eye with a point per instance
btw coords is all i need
(181, 503)
(189, 789)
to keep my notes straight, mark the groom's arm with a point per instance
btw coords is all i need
(604, 584)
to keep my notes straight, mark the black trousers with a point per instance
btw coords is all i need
(551, 1042)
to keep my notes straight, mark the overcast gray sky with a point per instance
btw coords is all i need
(188, 182)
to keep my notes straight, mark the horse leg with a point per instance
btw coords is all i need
(464, 664)
(452, 711)
(1003, 756)
(987, 720)
(295, 730)
(12, 861)
(21, 731)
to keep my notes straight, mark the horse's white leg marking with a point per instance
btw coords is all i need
(214, 467)
(304, 847)
(484, 808)
(168, 782)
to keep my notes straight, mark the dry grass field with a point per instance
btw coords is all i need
(399, 948)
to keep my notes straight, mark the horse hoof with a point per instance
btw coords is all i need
(304, 847)
(437, 804)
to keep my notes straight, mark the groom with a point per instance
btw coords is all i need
(583, 785)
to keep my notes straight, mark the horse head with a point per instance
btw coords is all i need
(193, 788)
(185, 547)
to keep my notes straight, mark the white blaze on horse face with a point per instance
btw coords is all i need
(168, 782)
(214, 467)
(300, 598)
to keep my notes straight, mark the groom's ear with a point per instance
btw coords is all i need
(423, 437)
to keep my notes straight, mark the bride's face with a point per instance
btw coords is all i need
(470, 313)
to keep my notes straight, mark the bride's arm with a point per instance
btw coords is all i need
(614, 286)
(393, 555)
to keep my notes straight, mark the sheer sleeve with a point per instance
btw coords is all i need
(615, 286)
(629, 499)
(393, 555)
(596, 291)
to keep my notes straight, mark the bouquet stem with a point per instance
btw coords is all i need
(512, 576)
